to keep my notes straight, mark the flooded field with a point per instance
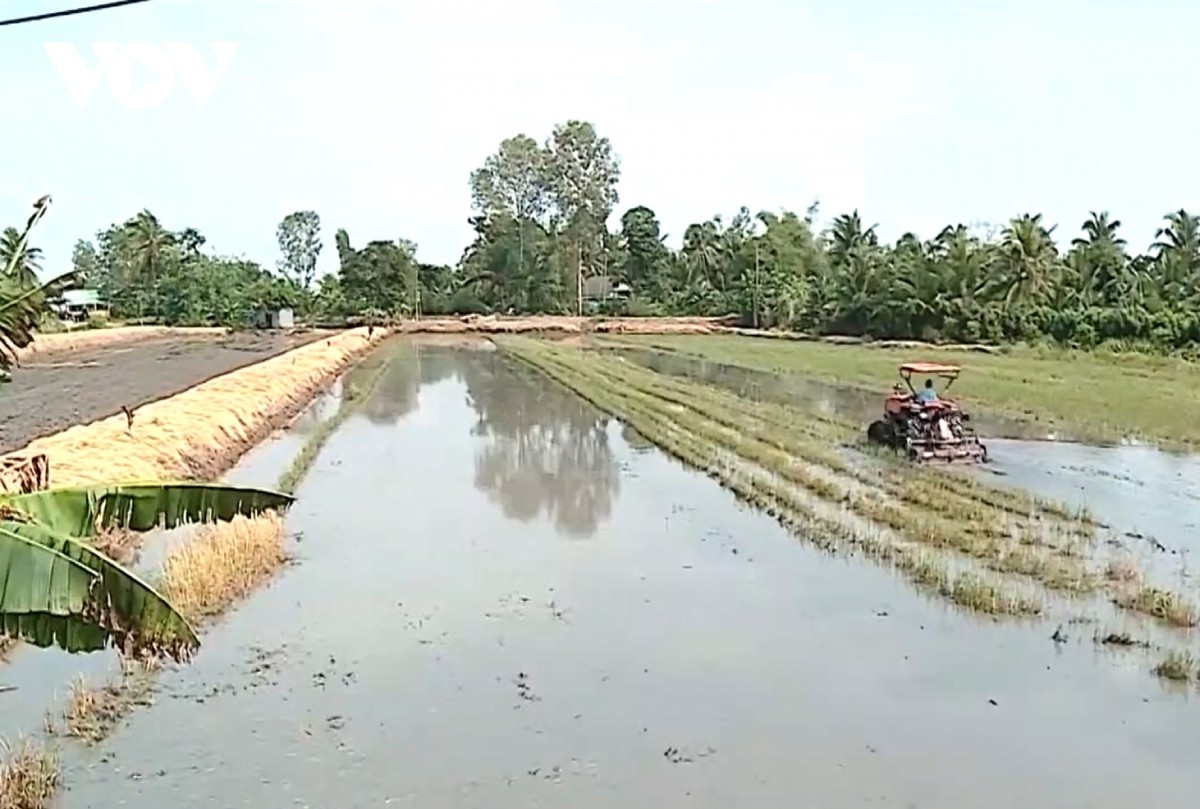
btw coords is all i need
(1150, 497)
(504, 598)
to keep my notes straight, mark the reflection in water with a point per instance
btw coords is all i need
(546, 450)
(395, 395)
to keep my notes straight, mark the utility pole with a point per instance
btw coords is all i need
(579, 274)
(756, 283)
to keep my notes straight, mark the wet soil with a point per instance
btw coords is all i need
(1150, 499)
(51, 394)
(854, 404)
(499, 601)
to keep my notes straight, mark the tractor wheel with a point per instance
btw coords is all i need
(878, 433)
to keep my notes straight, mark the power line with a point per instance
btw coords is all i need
(70, 12)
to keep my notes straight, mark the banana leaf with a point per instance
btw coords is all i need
(58, 591)
(83, 512)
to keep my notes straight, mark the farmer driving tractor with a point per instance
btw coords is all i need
(927, 394)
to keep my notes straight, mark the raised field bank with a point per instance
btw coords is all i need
(194, 435)
(586, 562)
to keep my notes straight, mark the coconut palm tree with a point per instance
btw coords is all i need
(22, 298)
(24, 260)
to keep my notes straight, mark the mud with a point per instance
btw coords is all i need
(34, 683)
(52, 393)
(854, 404)
(500, 602)
(1148, 500)
(548, 324)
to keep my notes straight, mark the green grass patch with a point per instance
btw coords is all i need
(1094, 396)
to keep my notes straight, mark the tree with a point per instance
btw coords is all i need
(646, 264)
(584, 173)
(21, 260)
(57, 589)
(86, 263)
(299, 236)
(22, 299)
(149, 244)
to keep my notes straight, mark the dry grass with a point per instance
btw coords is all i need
(119, 544)
(93, 712)
(1162, 604)
(222, 565)
(195, 434)
(1179, 666)
(29, 775)
(98, 338)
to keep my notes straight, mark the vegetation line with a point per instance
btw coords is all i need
(354, 392)
(218, 569)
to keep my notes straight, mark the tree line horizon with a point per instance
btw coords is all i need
(540, 214)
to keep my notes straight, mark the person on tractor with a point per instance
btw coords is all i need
(927, 394)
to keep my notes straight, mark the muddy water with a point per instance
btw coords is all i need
(852, 404)
(1150, 498)
(41, 678)
(500, 603)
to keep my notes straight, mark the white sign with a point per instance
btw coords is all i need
(164, 62)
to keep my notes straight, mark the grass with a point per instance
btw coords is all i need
(29, 775)
(787, 461)
(1162, 604)
(798, 473)
(355, 390)
(1178, 666)
(93, 712)
(209, 574)
(1090, 395)
(222, 565)
(196, 434)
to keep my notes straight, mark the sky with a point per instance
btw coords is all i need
(374, 113)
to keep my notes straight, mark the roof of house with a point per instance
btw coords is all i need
(81, 297)
(601, 286)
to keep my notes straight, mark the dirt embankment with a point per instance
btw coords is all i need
(494, 324)
(63, 387)
(64, 342)
(198, 433)
(565, 325)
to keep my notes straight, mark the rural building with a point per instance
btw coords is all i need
(80, 304)
(274, 319)
(600, 289)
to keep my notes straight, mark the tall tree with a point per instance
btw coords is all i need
(584, 172)
(299, 236)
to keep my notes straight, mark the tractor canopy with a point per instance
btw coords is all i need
(928, 369)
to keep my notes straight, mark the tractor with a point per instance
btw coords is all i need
(923, 424)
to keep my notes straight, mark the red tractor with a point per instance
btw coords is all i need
(922, 423)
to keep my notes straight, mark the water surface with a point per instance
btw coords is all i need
(499, 602)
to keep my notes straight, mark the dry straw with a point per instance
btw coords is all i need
(197, 434)
(99, 338)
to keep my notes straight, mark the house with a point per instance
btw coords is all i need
(601, 289)
(80, 304)
(274, 319)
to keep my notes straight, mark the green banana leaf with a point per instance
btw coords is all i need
(84, 512)
(58, 591)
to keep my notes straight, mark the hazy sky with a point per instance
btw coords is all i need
(374, 112)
